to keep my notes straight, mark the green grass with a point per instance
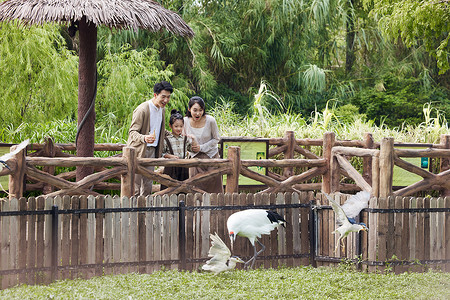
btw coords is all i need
(284, 283)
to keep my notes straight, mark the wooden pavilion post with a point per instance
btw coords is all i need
(86, 93)
(234, 155)
(289, 137)
(127, 180)
(328, 182)
(445, 162)
(17, 178)
(386, 166)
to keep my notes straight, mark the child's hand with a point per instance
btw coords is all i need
(195, 147)
(171, 156)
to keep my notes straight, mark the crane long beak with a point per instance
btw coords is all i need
(232, 241)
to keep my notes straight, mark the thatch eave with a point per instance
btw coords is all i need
(125, 14)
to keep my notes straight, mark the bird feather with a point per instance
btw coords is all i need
(19, 148)
(353, 206)
(221, 259)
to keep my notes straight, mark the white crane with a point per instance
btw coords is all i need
(4, 158)
(252, 223)
(221, 260)
(345, 215)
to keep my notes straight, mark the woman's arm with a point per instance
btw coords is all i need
(215, 136)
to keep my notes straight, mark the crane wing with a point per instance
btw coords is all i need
(219, 253)
(353, 206)
(341, 218)
(19, 147)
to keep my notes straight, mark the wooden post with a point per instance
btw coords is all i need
(386, 166)
(48, 151)
(445, 162)
(127, 180)
(367, 161)
(327, 180)
(17, 178)
(289, 153)
(234, 155)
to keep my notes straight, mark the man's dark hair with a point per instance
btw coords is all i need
(162, 86)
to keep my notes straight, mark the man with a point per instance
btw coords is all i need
(147, 131)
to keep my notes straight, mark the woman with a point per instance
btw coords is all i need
(204, 128)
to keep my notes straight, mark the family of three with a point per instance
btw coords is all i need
(195, 134)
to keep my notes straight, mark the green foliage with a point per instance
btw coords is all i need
(416, 22)
(282, 283)
(395, 101)
(38, 75)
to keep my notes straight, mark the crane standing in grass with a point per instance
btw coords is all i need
(252, 223)
(345, 215)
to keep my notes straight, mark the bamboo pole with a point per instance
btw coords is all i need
(234, 156)
(386, 166)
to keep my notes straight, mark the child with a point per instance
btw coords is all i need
(176, 146)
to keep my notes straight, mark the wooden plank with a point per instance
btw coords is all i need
(295, 227)
(433, 231)
(305, 198)
(149, 228)
(440, 249)
(420, 242)
(5, 245)
(109, 238)
(31, 242)
(39, 239)
(90, 236)
(398, 233)
(426, 230)
(281, 232)
(221, 218)
(214, 215)
(189, 231)
(65, 237)
(412, 230)
(198, 198)
(141, 229)
(57, 201)
(372, 240)
(22, 242)
(99, 237)
(173, 230)
(390, 242)
(47, 240)
(14, 240)
(405, 242)
(125, 234)
(133, 233)
(165, 230)
(205, 222)
(382, 232)
(117, 244)
(243, 244)
(446, 242)
(75, 236)
(273, 237)
(265, 239)
(83, 237)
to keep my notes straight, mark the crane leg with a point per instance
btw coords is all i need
(256, 253)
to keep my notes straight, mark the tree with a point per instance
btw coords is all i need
(416, 22)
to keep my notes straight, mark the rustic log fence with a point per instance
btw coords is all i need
(331, 172)
(48, 238)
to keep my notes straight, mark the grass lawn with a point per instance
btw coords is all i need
(283, 283)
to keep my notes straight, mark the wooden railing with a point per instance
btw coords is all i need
(327, 168)
(49, 238)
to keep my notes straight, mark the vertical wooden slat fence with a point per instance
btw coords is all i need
(115, 235)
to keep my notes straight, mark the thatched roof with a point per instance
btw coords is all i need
(132, 14)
